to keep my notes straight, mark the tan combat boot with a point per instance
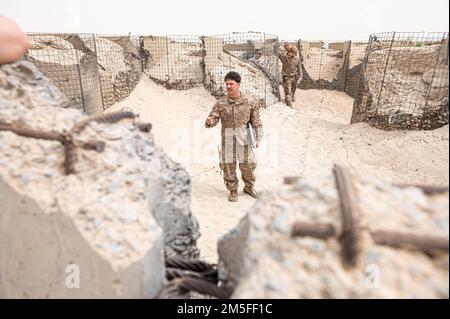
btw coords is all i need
(233, 197)
(250, 191)
(288, 100)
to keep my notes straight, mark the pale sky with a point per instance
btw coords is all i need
(289, 19)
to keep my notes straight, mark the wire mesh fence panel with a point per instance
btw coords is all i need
(89, 72)
(59, 61)
(252, 55)
(93, 71)
(174, 61)
(324, 64)
(354, 66)
(405, 81)
(119, 67)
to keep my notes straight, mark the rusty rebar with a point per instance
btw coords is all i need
(427, 189)
(315, 230)
(394, 239)
(70, 155)
(144, 127)
(28, 132)
(188, 264)
(349, 237)
(112, 117)
(290, 180)
(98, 146)
(424, 243)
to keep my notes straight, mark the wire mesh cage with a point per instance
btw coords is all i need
(173, 61)
(330, 64)
(354, 66)
(324, 64)
(404, 83)
(93, 71)
(252, 55)
(119, 66)
(96, 71)
(60, 62)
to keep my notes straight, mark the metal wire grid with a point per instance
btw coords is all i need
(404, 73)
(237, 52)
(93, 71)
(119, 66)
(174, 61)
(60, 62)
(324, 64)
(405, 82)
(354, 66)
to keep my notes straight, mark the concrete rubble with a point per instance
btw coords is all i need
(114, 218)
(183, 65)
(260, 258)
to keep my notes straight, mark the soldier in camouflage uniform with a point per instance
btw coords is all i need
(291, 72)
(235, 111)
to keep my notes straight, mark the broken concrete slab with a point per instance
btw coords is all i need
(261, 259)
(108, 218)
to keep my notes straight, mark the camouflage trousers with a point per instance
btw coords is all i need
(289, 86)
(247, 165)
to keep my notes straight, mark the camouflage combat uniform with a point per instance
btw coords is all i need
(234, 115)
(291, 73)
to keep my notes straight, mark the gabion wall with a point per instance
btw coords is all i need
(93, 71)
(182, 62)
(404, 82)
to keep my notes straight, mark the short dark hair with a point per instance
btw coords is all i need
(232, 75)
(258, 51)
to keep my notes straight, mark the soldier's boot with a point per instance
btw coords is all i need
(250, 191)
(229, 175)
(293, 89)
(233, 196)
(288, 100)
(248, 176)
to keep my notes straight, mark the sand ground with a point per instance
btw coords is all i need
(305, 140)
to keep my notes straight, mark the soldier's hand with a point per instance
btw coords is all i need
(210, 121)
(257, 144)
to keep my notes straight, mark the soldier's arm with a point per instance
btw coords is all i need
(214, 116)
(257, 123)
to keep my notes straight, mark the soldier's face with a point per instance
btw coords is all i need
(232, 87)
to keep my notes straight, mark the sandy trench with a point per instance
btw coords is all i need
(303, 141)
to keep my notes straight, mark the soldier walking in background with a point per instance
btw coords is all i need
(291, 71)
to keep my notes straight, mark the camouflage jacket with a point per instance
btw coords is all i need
(290, 66)
(234, 115)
